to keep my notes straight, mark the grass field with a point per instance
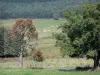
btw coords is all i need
(47, 63)
(44, 26)
(42, 72)
(40, 23)
(52, 55)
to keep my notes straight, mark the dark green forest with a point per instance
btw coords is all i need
(38, 8)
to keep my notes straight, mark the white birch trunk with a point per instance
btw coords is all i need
(21, 58)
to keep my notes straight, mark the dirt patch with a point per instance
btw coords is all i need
(2, 60)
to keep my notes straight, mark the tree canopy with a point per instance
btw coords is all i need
(80, 36)
(13, 39)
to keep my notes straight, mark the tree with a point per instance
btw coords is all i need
(80, 36)
(19, 31)
(56, 17)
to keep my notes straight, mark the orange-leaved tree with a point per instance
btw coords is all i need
(20, 30)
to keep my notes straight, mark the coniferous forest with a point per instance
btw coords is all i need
(38, 8)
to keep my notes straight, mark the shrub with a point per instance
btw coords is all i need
(56, 17)
(38, 56)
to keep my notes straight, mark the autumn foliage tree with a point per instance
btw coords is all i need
(23, 29)
(20, 30)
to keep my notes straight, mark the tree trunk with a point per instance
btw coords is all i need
(96, 61)
(21, 58)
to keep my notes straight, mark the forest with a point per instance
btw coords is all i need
(38, 8)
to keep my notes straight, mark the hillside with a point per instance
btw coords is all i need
(38, 8)
(39, 0)
(27, 0)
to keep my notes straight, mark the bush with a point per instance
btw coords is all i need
(38, 56)
(56, 17)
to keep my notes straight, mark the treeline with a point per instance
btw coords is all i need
(37, 8)
(27, 0)
(36, 0)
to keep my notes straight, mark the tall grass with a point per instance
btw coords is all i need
(48, 63)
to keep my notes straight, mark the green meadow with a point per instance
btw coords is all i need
(42, 72)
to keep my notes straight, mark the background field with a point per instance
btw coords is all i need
(45, 28)
(52, 55)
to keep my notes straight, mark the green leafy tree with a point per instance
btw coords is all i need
(56, 17)
(80, 36)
